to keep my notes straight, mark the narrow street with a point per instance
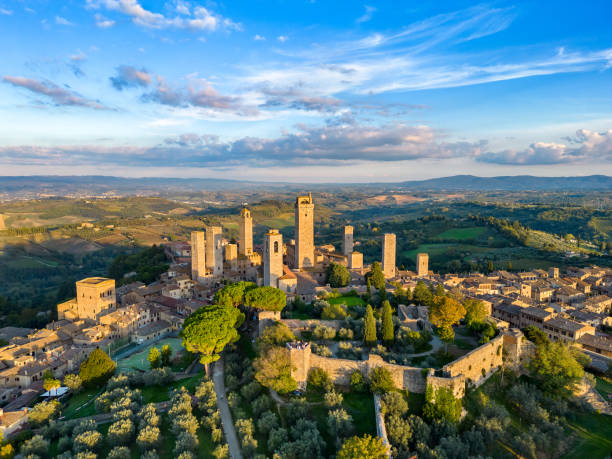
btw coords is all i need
(226, 415)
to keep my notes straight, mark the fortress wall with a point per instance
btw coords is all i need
(301, 325)
(479, 364)
(339, 370)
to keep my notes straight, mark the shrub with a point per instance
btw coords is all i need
(43, 412)
(185, 442)
(346, 333)
(358, 382)
(97, 368)
(148, 437)
(332, 399)
(120, 432)
(381, 380)
(276, 335)
(73, 382)
(319, 380)
(321, 349)
(87, 441)
(221, 452)
(333, 312)
(340, 423)
(84, 426)
(250, 391)
(261, 404)
(36, 445)
(119, 452)
(267, 422)
(322, 332)
(393, 404)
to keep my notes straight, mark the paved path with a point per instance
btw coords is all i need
(594, 398)
(226, 415)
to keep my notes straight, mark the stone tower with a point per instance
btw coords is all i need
(355, 260)
(214, 250)
(422, 265)
(304, 232)
(246, 233)
(231, 256)
(198, 255)
(553, 273)
(388, 255)
(347, 240)
(299, 356)
(273, 258)
(94, 295)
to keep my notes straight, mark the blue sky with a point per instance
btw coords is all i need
(305, 90)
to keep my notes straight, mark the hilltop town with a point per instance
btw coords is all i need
(314, 294)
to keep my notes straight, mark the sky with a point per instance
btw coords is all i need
(305, 90)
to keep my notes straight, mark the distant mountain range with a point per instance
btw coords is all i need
(30, 186)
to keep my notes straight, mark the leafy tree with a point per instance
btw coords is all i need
(148, 437)
(475, 312)
(365, 447)
(119, 452)
(381, 380)
(358, 382)
(535, 335)
(445, 312)
(43, 412)
(154, 357)
(333, 312)
(273, 370)
(37, 445)
(97, 368)
(376, 276)
(490, 267)
(87, 441)
(555, 368)
(369, 327)
(120, 432)
(340, 423)
(267, 422)
(166, 355)
(441, 404)
(337, 275)
(318, 380)
(73, 382)
(388, 334)
(51, 383)
(265, 298)
(421, 294)
(276, 335)
(233, 294)
(332, 399)
(208, 330)
(393, 404)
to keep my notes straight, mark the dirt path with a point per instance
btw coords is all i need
(594, 398)
(226, 415)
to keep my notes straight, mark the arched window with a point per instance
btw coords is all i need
(275, 246)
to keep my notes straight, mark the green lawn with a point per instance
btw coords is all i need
(594, 432)
(139, 360)
(347, 300)
(156, 394)
(74, 407)
(361, 407)
(461, 234)
(604, 387)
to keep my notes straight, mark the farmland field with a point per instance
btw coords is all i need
(139, 360)
(461, 234)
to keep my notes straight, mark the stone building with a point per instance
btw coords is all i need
(231, 257)
(95, 295)
(214, 250)
(422, 265)
(198, 255)
(347, 241)
(304, 232)
(273, 258)
(245, 234)
(355, 260)
(388, 256)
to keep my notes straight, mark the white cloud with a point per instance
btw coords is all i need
(62, 21)
(6, 12)
(103, 22)
(369, 11)
(282, 38)
(199, 19)
(258, 37)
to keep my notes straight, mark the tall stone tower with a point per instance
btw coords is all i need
(94, 295)
(553, 273)
(304, 232)
(246, 233)
(388, 255)
(347, 240)
(231, 256)
(214, 250)
(422, 263)
(273, 258)
(198, 255)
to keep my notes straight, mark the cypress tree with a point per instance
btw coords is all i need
(369, 327)
(387, 324)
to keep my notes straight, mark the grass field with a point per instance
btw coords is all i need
(78, 406)
(461, 234)
(347, 300)
(139, 360)
(604, 387)
(594, 432)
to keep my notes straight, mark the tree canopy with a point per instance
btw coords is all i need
(208, 330)
(441, 404)
(475, 312)
(265, 298)
(337, 275)
(369, 327)
(445, 312)
(365, 447)
(421, 294)
(376, 276)
(233, 294)
(555, 368)
(97, 368)
(388, 334)
(273, 370)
